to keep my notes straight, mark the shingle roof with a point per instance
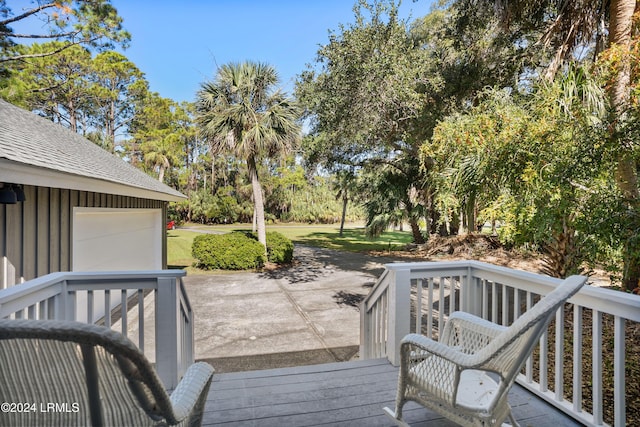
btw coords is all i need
(32, 140)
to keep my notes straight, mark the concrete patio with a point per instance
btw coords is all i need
(303, 314)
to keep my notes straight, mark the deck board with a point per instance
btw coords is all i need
(337, 394)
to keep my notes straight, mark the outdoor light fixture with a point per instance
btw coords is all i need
(11, 194)
(17, 188)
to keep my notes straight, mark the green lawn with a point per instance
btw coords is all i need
(326, 236)
(179, 248)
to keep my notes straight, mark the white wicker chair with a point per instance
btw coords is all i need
(467, 375)
(66, 373)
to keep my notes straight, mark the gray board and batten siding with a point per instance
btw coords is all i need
(61, 170)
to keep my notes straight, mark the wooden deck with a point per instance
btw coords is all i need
(337, 394)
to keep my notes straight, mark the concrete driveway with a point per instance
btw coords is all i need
(303, 314)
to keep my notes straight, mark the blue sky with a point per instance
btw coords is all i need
(177, 44)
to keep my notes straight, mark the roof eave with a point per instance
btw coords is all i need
(20, 173)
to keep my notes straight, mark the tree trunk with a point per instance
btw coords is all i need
(254, 220)
(161, 173)
(258, 201)
(418, 238)
(471, 214)
(213, 173)
(345, 200)
(73, 120)
(621, 14)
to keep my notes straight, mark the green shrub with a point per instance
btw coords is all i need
(279, 247)
(233, 251)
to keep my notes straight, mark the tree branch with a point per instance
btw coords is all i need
(44, 89)
(38, 36)
(42, 55)
(27, 13)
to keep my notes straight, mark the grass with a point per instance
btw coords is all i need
(355, 240)
(179, 248)
(325, 236)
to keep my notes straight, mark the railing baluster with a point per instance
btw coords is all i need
(430, 308)
(452, 295)
(596, 363)
(485, 299)
(559, 355)
(107, 308)
(516, 303)
(50, 307)
(384, 321)
(141, 320)
(123, 312)
(577, 358)
(377, 328)
(449, 279)
(42, 309)
(529, 364)
(544, 384)
(440, 307)
(618, 372)
(494, 302)
(72, 307)
(382, 327)
(381, 343)
(90, 302)
(505, 305)
(418, 306)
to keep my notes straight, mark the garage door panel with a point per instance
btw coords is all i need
(114, 240)
(117, 239)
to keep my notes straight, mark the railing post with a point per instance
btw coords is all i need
(399, 312)
(167, 342)
(365, 332)
(473, 294)
(66, 304)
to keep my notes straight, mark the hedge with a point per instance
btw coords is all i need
(233, 251)
(279, 247)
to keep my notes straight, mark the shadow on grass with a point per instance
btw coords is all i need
(178, 266)
(355, 240)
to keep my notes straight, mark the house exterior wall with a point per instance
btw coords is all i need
(36, 235)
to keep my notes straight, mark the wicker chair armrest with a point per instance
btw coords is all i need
(415, 345)
(186, 395)
(468, 332)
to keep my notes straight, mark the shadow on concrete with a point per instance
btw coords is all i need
(351, 299)
(312, 263)
(282, 360)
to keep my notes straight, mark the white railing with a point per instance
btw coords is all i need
(96, 297)
(418, 297)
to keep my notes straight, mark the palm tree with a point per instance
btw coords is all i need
(240, 112)
(346, 184)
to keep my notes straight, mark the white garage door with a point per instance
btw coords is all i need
(117, 239)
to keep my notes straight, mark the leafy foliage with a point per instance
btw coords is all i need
(279, 247)
(534, 161)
